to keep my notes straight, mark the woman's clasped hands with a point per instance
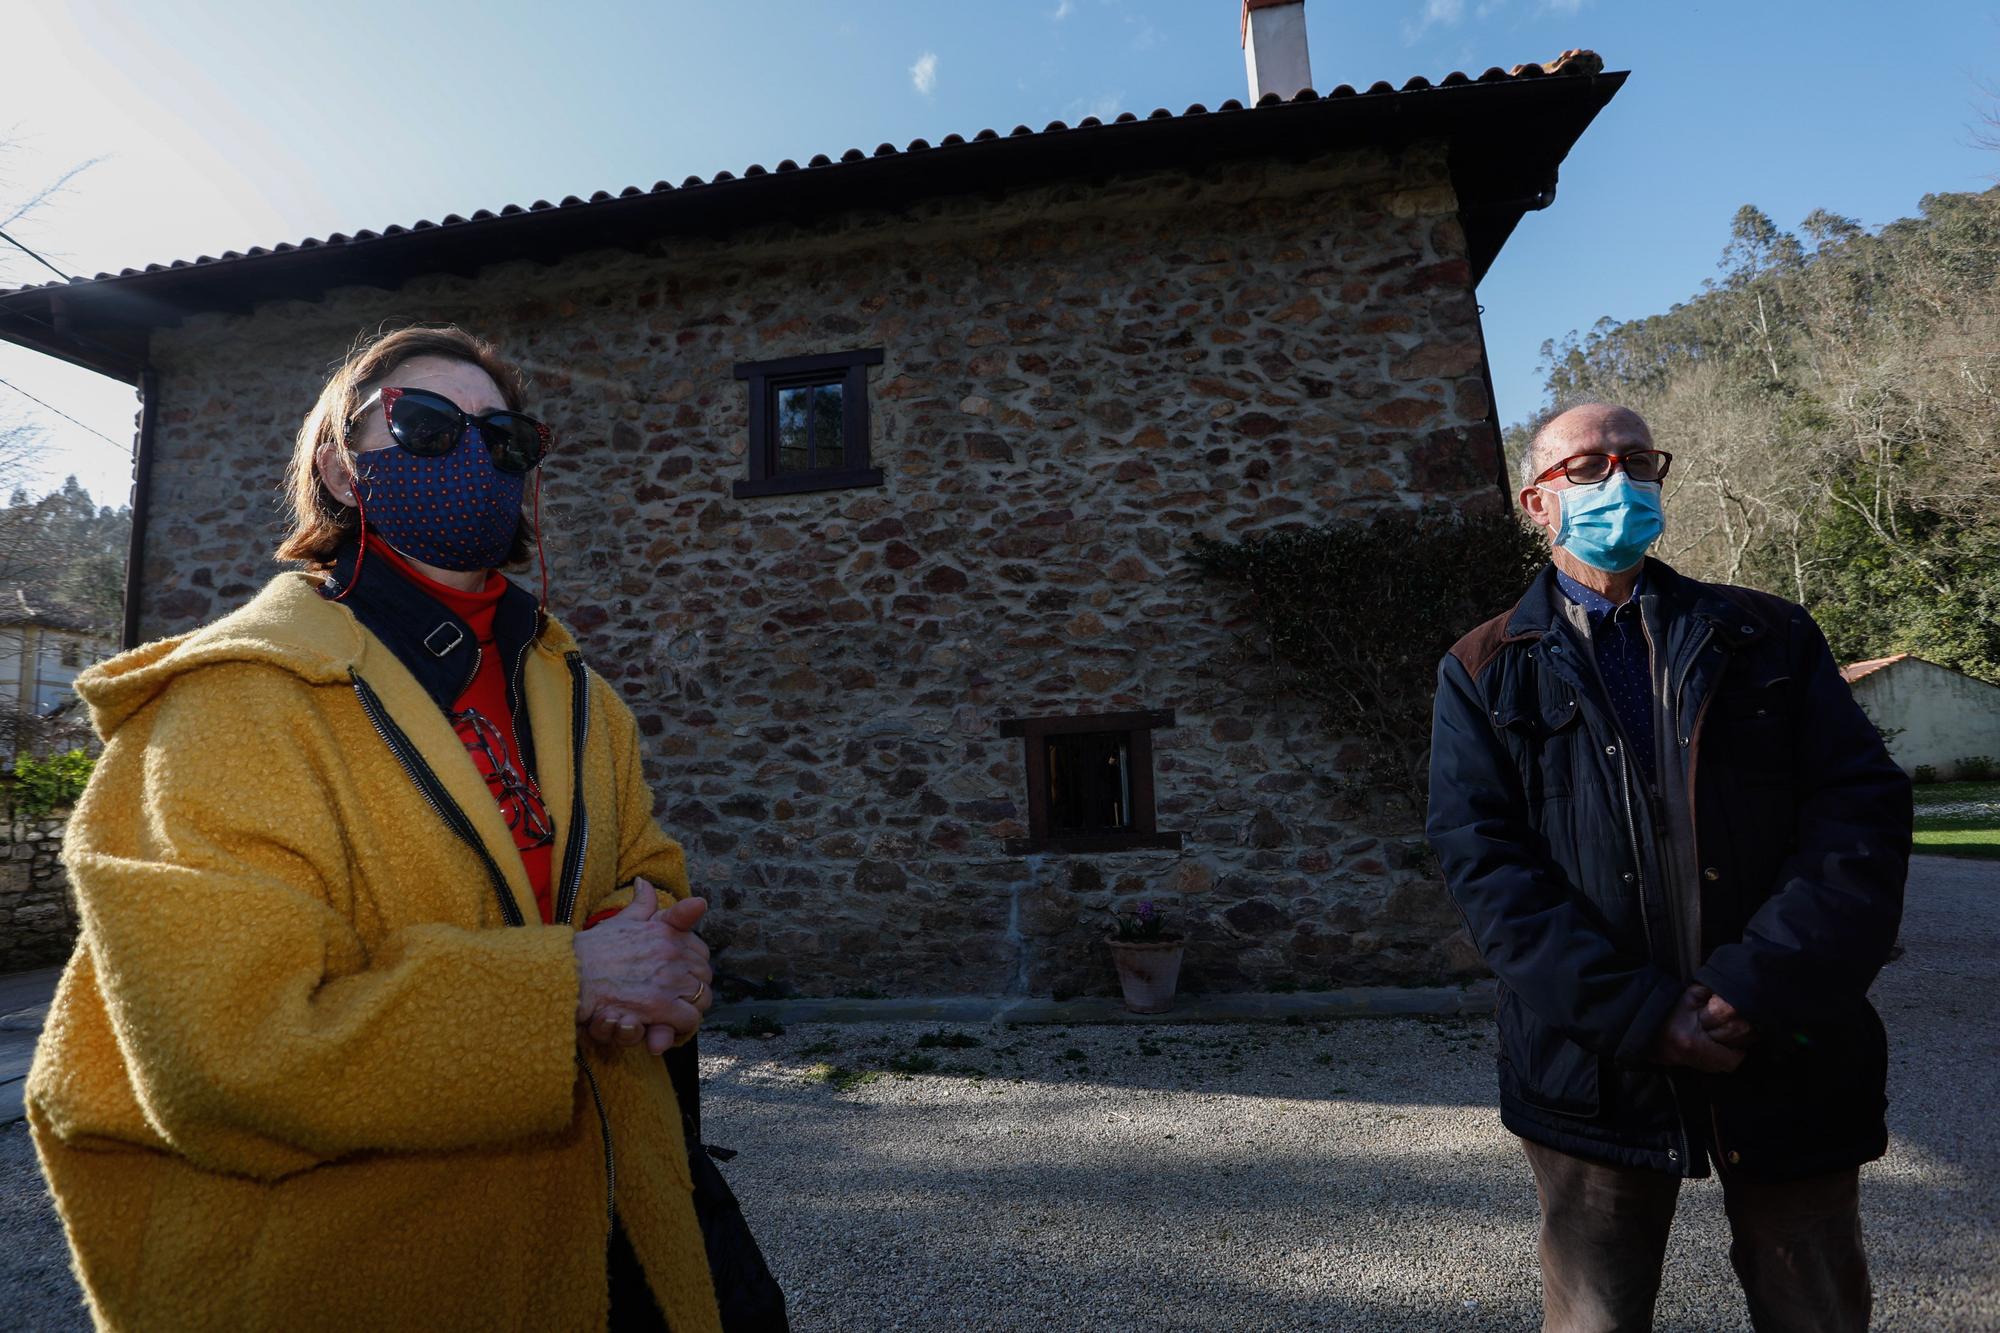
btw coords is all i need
(644, 974)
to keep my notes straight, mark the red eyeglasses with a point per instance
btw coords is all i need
(1589, 469)
(430, 425)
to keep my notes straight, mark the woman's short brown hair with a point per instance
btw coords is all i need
(320, 523)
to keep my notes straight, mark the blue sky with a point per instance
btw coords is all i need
(226, 124)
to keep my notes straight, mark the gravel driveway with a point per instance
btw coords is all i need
(1339, 1176)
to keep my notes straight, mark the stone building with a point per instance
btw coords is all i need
(874, 485)
(43, 645)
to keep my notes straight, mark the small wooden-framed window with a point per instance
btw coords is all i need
(1090, 783)
(809, 423)
(72, 653)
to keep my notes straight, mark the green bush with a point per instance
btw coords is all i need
(1924, 773)
(1974, 768)
(1356, 615)
(42, 785)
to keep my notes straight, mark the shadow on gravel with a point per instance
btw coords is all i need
(1366, 1060)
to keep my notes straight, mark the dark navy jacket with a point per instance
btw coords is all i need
(1763, 856)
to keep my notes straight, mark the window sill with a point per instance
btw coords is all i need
(800, 483)
(1086, 844)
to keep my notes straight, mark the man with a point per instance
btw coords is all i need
(1681, 847)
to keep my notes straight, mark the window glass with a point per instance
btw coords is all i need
(827, 427)
(1090, 784)
(794, 426)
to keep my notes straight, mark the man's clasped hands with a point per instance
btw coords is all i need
(644, 973)
(1703, 1032)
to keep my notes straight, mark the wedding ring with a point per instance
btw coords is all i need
(700, 991)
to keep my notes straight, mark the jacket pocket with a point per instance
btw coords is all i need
(1755, 721)
(1806, 1102)
(1538, 718)
(1542, 1068)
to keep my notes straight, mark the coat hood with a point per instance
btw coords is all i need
(287, 625)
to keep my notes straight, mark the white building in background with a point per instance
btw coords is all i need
(43, 646)
(1933, 716)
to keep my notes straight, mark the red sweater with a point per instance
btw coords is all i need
(486, 724)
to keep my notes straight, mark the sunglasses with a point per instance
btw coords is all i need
(1589, 469)
(430, 425)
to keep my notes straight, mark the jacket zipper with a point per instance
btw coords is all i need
(1694, 827)
(571, 881)
(1646, 924)
(579, 818)
(514, 703)
(433, 791)
(1675, 925)
(1694, 754)
(1645, 918)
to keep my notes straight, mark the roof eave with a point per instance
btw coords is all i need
(1506, 140)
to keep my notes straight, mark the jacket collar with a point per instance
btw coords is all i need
(433, 643)
(1679, 597)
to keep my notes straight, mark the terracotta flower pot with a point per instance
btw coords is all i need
(1148, 971)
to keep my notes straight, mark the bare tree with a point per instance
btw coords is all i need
(1836, 406)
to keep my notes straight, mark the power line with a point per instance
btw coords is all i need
(125, 449)
(37, 258)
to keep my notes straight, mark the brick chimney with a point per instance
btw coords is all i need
(1274, 48)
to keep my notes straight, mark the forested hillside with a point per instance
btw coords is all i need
(1833, 405)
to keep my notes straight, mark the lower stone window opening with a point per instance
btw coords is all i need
(1090, 783)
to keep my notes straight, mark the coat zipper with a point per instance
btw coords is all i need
(579, 818)
(434, 794)
(1694, 832)
(433, 791)
(1683, 963)
(1646, 924)
(571, 881)
(1693, 755)
(1645, 918)
(514, 705)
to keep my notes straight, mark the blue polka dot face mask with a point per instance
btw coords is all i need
(1610, 524)
(455, 510)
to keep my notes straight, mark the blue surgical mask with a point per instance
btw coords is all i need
(1610, 524)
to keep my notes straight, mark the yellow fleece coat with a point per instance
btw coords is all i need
(299, 1073)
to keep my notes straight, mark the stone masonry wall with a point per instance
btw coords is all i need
(37, 918)
(1078, 379)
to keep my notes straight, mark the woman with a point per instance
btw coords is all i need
(324, 1055)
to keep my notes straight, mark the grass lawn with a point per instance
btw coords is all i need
(1959, 819)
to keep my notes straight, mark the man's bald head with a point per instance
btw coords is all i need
(1588, 428)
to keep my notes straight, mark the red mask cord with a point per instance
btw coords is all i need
(361, 552)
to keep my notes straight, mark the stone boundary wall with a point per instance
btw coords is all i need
(37, 913)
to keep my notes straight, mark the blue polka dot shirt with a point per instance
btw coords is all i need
(1619, 643)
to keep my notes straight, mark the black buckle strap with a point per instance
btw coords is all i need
(432, 646)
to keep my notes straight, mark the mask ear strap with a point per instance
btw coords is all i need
(361, 552)
(541, 556)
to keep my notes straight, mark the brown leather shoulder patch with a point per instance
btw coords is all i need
(1476, 651)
